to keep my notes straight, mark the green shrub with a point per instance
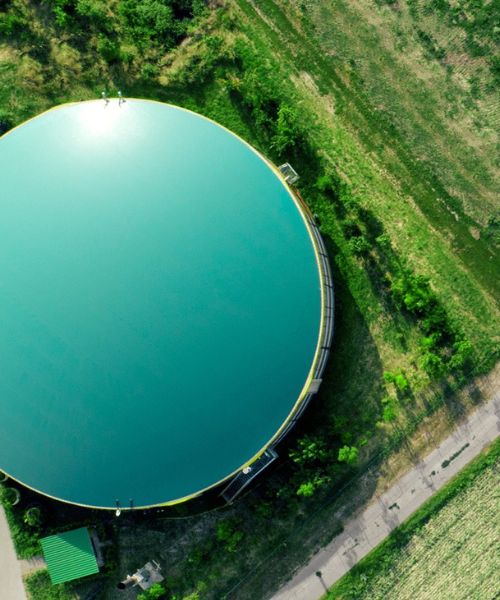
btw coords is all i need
(429, 342)
(325, 183)
(95, 11)
(462, 350)
(348, 454)
(12, 24)
(383, 240)
(228, 533)
(9, 496)
(149, 71)
(308, 488)
(150, 20)
(432, 364)
(309, 450)
(397, 378)
(401, 382)
(389, 411)
(33, 517)
(359, 245)
(435, 320)
(193, 596)
(214, 45)
(414, 292)
(155, 592)
(288, 131)
(108, 49)
(350, 227)
(201, 553)
(5, 122)
(63, 11)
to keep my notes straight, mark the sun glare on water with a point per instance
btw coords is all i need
(100, 118)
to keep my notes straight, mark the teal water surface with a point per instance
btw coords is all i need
(159, 303)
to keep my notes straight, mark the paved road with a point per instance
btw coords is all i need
(11, 583)
(366, 530)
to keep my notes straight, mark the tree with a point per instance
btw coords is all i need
(308, 488)
(461, 352)
(435, 320)
(155, 592)
(33, 517)
(389, 412)
(325, 183)
(348, 454)
(5, 119)
(288, 132)
(94, 10)
(432, 364)
(429, 342)
(397, 378)
(109, 49)
(414, 292)
(383, 240)
(359, 245)
(150, 20)
(9, 496)
(401, 382)
(61, 10)
(309, 450)
(227, 532)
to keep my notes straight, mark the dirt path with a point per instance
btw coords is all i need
(11, 583)
(370, 527)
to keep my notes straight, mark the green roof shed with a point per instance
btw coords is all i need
(69, 555)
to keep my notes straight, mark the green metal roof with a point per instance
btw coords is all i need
(69, 555)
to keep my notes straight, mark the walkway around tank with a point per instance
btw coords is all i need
(368, 529)
(11, 582)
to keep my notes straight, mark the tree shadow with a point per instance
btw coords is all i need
(352, 381)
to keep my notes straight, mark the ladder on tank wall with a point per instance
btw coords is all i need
(246, 475)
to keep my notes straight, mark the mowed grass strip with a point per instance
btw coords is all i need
(447, 550)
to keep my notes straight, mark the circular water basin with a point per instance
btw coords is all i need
(160, 303)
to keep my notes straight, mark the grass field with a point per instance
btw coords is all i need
(447, 550)
(396, 104)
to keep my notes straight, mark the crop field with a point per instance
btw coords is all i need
(454, 555)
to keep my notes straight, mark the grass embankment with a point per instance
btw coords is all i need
(402, 188)
(447, 549)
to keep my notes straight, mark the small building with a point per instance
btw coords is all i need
(69, 555)
(145, 577)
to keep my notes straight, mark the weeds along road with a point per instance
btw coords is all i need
(369, 528)
(11, 582)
